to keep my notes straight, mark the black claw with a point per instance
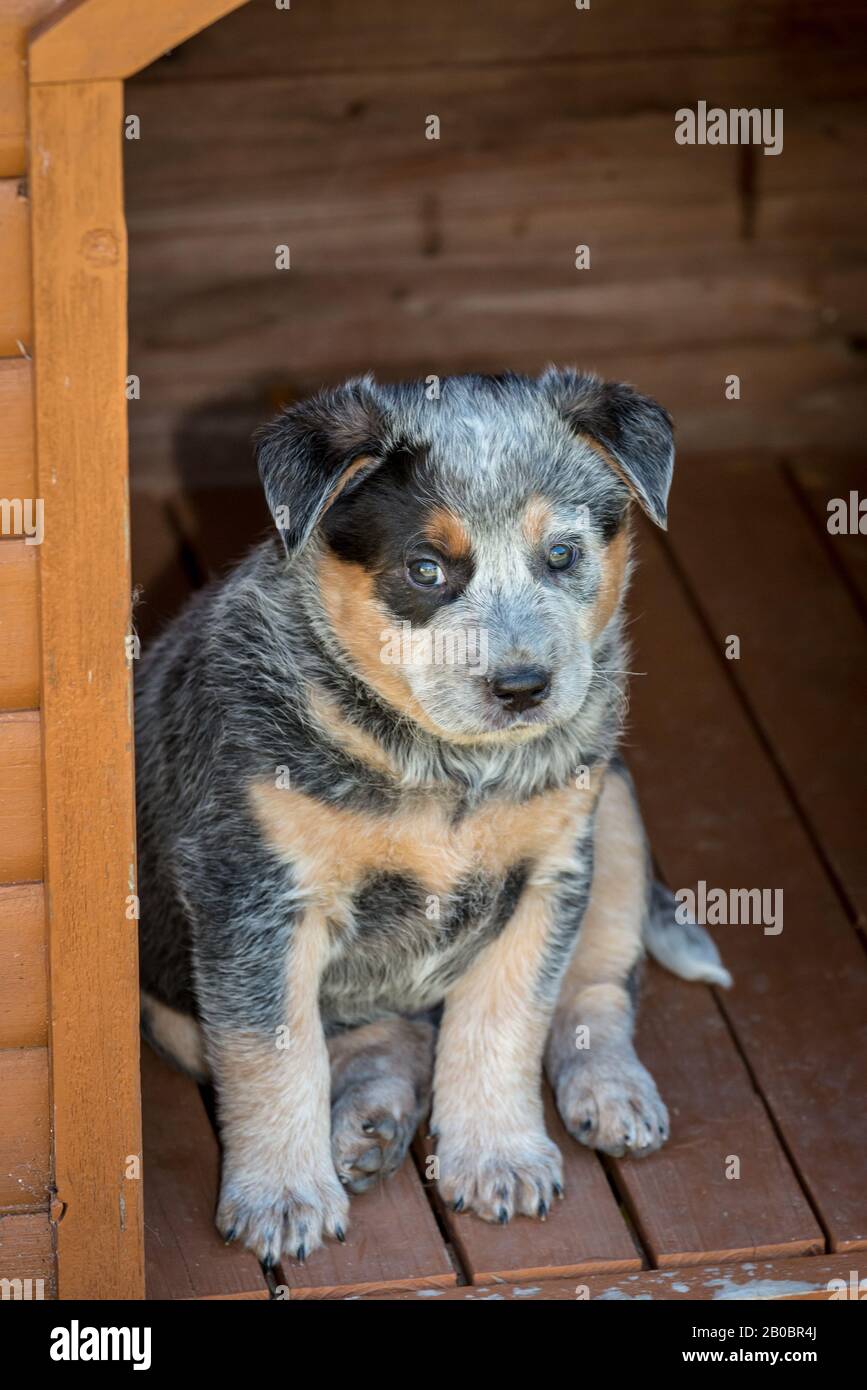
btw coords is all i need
(301, 1254)
(558, 1189)
(341, 1235)
(269, 1263)
(458, 1205)
(230, 1236)
(503, 1216)
(542, 1211)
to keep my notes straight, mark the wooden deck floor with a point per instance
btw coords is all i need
(752, 774)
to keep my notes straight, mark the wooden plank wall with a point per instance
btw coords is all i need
(306, 127)
(26, 1244)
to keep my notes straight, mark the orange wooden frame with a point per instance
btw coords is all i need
(77, 63)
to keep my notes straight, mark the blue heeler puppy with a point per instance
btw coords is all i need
(366, 880)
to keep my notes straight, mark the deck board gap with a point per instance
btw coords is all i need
(790, 476)
(429, 1190)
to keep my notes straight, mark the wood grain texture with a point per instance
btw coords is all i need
(820, 480)
(17, 459)
(717, 812)
(220, 524)
(185, 1256)
(27, 1249)
(392, 1242)
(25, 1158)
(19, 626)
(796, 394)
(511, 135)
(410, 256)
(817, 154)
(687, 1207)
(811, 218)
(20, 798)
(384, 35)
(160, 579)
(755, 1280)
(803, 657)
(16, 320)
(584, 1233)
(80, 259)
(634, 299)
(95, 40)
(16, 18)
(23, 966)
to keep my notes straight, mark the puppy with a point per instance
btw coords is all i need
(386, 846)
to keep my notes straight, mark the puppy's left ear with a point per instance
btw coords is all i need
(634, 430)
(317, 450)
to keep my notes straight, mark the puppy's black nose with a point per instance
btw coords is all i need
(521, 687)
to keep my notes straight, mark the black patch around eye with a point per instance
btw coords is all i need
(373, 525)
(425, 573)
(416, 604)
(367, 526)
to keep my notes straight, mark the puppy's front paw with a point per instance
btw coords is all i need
(291, 1219)
(501, 1179)
(612, 1104)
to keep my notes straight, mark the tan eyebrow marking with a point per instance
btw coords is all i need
(537, 520)
(444, 529)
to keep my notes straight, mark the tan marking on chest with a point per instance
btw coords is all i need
(353, 740)
(333, 849)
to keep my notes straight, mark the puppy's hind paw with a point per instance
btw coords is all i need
(372, 1125)
(613, 1106)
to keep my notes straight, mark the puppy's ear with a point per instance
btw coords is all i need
(315, 451)
(633, 430)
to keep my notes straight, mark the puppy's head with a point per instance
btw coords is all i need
(469, 551)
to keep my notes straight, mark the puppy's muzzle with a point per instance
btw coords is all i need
(521, 687)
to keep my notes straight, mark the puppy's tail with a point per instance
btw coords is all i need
(684, 948)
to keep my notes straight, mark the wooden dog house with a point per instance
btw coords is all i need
(71, 1177)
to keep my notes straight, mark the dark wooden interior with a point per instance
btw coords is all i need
(306, 128)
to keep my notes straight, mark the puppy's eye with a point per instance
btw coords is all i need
(427, 574)
(561, 557)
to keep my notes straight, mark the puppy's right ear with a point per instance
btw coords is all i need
(634, 431)
(315, 451)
